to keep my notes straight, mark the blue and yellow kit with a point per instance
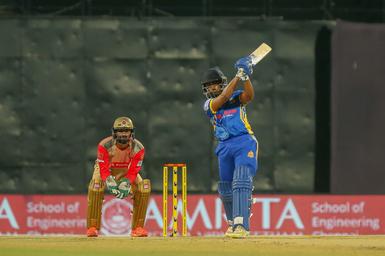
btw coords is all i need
(230, 120)
(237, 145)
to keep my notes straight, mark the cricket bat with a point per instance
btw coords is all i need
(259, 53)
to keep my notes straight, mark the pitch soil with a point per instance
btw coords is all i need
(213, 246)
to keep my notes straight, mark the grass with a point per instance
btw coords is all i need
(261, 245)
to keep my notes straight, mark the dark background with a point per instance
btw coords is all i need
(358, 107)
(353, 10)
(69, 68)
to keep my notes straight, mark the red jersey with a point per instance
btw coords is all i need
(117, 162)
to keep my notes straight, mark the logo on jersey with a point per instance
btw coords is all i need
(119, 164)
(229, 112)
(250, 154)
(139, 163)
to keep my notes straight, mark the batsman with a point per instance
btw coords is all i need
(119, 160)
(237, 148)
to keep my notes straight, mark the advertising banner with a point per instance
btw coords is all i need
(271, 215)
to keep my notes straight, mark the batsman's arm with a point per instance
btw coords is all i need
(248, 92)
(225, 95)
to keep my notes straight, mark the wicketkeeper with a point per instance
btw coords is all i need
(237, 149)
(119, 160)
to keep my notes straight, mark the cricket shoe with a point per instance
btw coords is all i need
(92, 232)
(139, 232)
(239, 232)
(229, 231)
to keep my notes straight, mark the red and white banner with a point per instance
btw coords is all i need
(271, 215)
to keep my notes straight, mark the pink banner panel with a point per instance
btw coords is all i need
(271, 215)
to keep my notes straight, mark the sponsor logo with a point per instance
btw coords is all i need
(229, 112)
(140, 163)
(116, 217)
(119, 165)
(250, 154)
(6, 214)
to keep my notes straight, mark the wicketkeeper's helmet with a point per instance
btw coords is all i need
(213, 76)
(122, 124)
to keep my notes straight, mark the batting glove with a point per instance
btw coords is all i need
(242, 75)
(245, 63)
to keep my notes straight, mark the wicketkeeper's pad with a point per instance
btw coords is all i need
(95, 200)
(141, 192)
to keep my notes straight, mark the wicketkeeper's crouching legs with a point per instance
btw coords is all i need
(141, 194)
(95, 202)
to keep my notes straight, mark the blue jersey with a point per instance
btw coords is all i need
(230, 120)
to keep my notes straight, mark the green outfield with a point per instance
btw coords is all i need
(263, 245)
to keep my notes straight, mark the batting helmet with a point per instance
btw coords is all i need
(213, 76)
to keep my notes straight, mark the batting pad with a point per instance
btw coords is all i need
(242, 187)
(226, 193)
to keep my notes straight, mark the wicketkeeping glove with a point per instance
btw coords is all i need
(124, 188)
(245, 64)
(112, 186)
